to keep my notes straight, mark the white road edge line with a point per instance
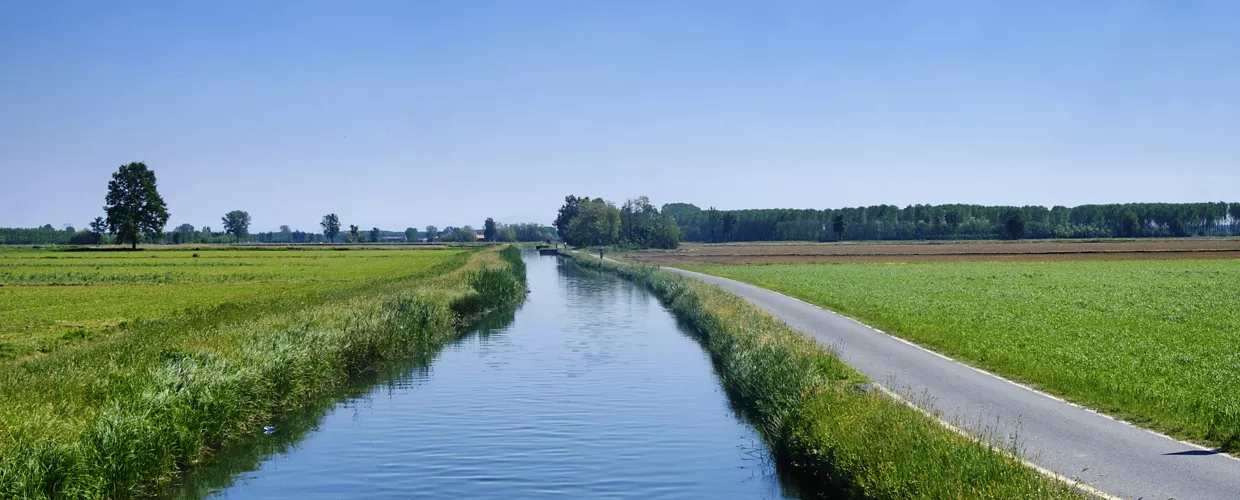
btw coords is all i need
(979, 370)
(1072, 483)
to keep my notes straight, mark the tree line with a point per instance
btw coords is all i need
(135, 212)
(957, 221)
(583, 221)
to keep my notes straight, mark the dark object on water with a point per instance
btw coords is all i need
(548, 251)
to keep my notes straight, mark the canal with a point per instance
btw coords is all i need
(591, 389)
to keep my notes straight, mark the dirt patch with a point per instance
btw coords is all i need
(1023, 251)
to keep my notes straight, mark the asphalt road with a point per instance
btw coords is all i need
(1112, 456)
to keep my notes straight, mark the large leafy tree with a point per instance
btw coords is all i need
(597, 223)
(237, 223)
(411, 234)
(331, 226)
(355, 234)
(374, 234)
(568, 212)
(431, 233)
(489, 230)
(134, 207)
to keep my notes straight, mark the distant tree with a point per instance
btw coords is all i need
(1014, 225)
(507, 233)
(97, 228)
(597, 223)
(374, 234)
(331, 226)
(411, 234)
(568, 212)
(727, 225)
(134, 207)
(68, 228)
(431, 233)
(489, 230)
(1129, 225)
(47, 227)
(665, 233)
(466, 234)
(713, 223)
(185, 228)
(285, 229)
(838, 224)
(355, 235)
(237, 223)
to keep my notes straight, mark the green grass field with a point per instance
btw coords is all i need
(53, 298)
(1154, 342)
(125, 367)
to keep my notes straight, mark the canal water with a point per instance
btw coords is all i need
(590, 390)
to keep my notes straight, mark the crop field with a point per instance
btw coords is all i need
(1156, 342)
(942, 251)
(53, 298)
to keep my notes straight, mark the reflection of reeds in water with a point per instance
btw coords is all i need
(120, 418)
(835, 436)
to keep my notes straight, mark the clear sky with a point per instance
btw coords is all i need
(416, 112)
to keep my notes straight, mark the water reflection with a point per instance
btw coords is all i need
(591, 389)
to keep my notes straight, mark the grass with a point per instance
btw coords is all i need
(52, 298)
(1154, 342)
(120, 415)
(817, 416)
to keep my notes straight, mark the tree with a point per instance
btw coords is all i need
(411, 234)
(134, 207)
(597, 223)
(489, 230)
(1129, 225)
(431, 233)
(97, 228)
(507, 233)
(374, 235)
(1014, 225)
(727, 226)
(331, 226)
(355, 235)
(712, 223)
(568, 212)
(838, 224)
(237, 223)
(185, 228)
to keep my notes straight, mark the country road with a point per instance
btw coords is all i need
(1111, 456)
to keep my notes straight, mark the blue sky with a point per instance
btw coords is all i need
(417, 112)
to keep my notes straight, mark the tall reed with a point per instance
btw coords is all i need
(118, 418)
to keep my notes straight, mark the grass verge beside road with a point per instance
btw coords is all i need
(117, 416)
(1153, 342)
(818, 416)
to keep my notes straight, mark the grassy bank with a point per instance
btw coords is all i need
(817, 415)
(1153, 342)
(119, 415)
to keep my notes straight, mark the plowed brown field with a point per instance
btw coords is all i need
(797, 253)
